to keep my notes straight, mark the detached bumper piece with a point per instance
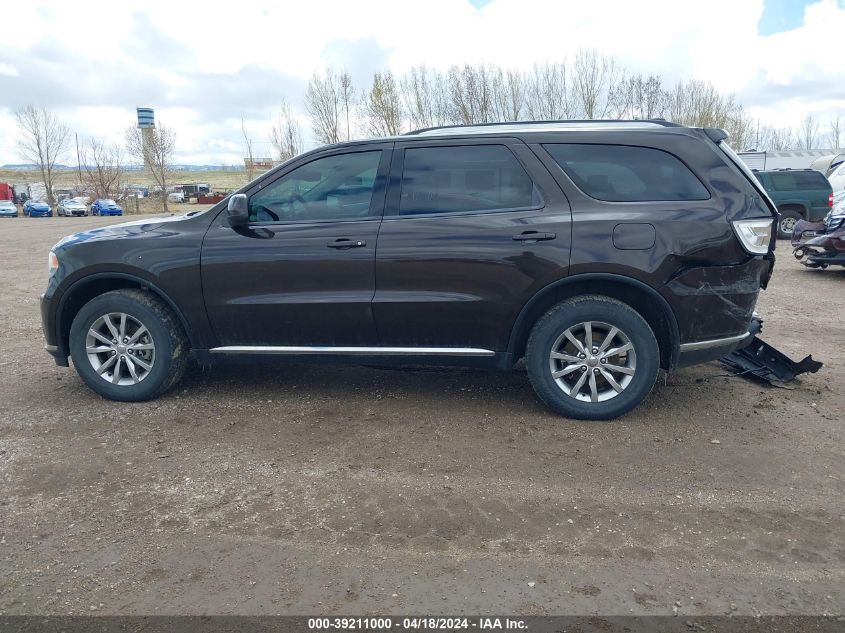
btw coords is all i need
(765, 363)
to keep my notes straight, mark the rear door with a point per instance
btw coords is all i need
(472, 229)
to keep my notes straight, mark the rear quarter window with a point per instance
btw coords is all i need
(623, 173)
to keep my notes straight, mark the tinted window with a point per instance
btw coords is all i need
(464, 178)
(332, 188)
(788, 180)
(619, 173)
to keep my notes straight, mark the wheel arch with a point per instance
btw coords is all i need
(649, 303)
(85, 289)
(795, 205)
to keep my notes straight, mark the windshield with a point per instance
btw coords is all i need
(108, 202)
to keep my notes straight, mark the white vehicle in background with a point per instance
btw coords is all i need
(70, 207)
(837, 178)
(176, 196)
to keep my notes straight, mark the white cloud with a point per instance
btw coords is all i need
(203, 68)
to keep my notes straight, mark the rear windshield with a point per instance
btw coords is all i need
(622, 173)
(789, 180)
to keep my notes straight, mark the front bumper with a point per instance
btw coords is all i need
(48, 326)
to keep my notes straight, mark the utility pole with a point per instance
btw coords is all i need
(78, 162)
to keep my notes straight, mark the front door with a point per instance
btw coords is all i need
(303, 272)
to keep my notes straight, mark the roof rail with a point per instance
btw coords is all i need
(609, 122)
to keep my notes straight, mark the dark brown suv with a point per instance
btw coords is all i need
(599, 251)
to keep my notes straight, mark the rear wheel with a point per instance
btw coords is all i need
(592, 358)
(787, 221)
(127, 345)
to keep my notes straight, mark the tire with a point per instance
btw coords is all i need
(165, 361)
(786, 223)
(596, 398)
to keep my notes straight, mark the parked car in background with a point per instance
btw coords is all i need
(82, 199)
(36, 208)
(8, 209)
(70, 207)
(597, 251)
(6, 192)
(176, 196)
(800, 194)
(105, 206)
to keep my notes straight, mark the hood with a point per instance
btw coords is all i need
(136, 228)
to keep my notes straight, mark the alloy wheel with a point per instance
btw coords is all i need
(593, 361)
(120, 348)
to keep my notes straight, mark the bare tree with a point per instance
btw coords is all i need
(426, 98)
(42, 140)
(834, 133)
(595, 78)
(322, 102)
(471, 93)
(102, 168)
(250, 159)
(508, 95)
(154, 148)
(548, 95)
(781, 139)
(640, 97)
(347, 96)
(808, 131)
(285, 134)
(382, 106)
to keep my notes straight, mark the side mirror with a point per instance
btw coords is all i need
(238, 210)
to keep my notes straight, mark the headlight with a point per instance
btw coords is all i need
(52, 263)
(755, 235)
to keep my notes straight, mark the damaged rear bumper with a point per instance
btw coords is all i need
(705, 351)
(717, 304)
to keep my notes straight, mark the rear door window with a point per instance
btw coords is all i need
(464, 178)
(622, 173)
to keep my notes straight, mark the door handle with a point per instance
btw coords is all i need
(534, 236)
(345, 242)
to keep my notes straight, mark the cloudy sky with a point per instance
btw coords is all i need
(203, 66)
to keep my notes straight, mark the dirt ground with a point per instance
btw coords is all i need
(256, 490)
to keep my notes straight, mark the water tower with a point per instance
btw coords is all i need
(147, 124)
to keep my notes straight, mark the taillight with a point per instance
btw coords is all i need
(755, 235)
(830, 200)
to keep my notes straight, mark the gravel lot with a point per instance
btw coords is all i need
(324, 490)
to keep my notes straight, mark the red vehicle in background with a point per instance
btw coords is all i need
(6, 191)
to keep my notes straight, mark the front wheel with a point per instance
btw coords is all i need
(592, 358)
(127, 345)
